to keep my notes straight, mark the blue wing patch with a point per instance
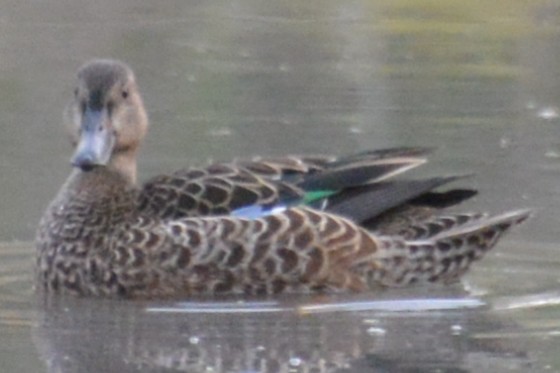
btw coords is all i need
(257, 211)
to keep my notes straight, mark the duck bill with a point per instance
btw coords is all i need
(96, 141)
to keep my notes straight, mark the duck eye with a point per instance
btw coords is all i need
(124, 94)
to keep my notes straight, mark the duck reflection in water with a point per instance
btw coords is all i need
(97, 335)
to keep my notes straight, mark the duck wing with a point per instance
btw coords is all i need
(221, 188)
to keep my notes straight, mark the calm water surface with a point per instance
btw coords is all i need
(478, 81)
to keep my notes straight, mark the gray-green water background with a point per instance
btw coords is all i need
(477, 80)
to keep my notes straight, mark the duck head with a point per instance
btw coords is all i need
(106, 118)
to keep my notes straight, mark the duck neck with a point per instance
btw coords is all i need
(98, 199)
(124, 164)
(96, 184)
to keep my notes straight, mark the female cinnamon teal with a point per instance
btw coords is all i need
(260, 226)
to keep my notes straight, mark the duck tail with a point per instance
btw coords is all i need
(441, 249)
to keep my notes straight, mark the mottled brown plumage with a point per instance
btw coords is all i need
(176, 236)
(224, 187)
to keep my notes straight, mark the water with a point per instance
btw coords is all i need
(476, 80)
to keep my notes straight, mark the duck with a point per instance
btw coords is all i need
(255, 226)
